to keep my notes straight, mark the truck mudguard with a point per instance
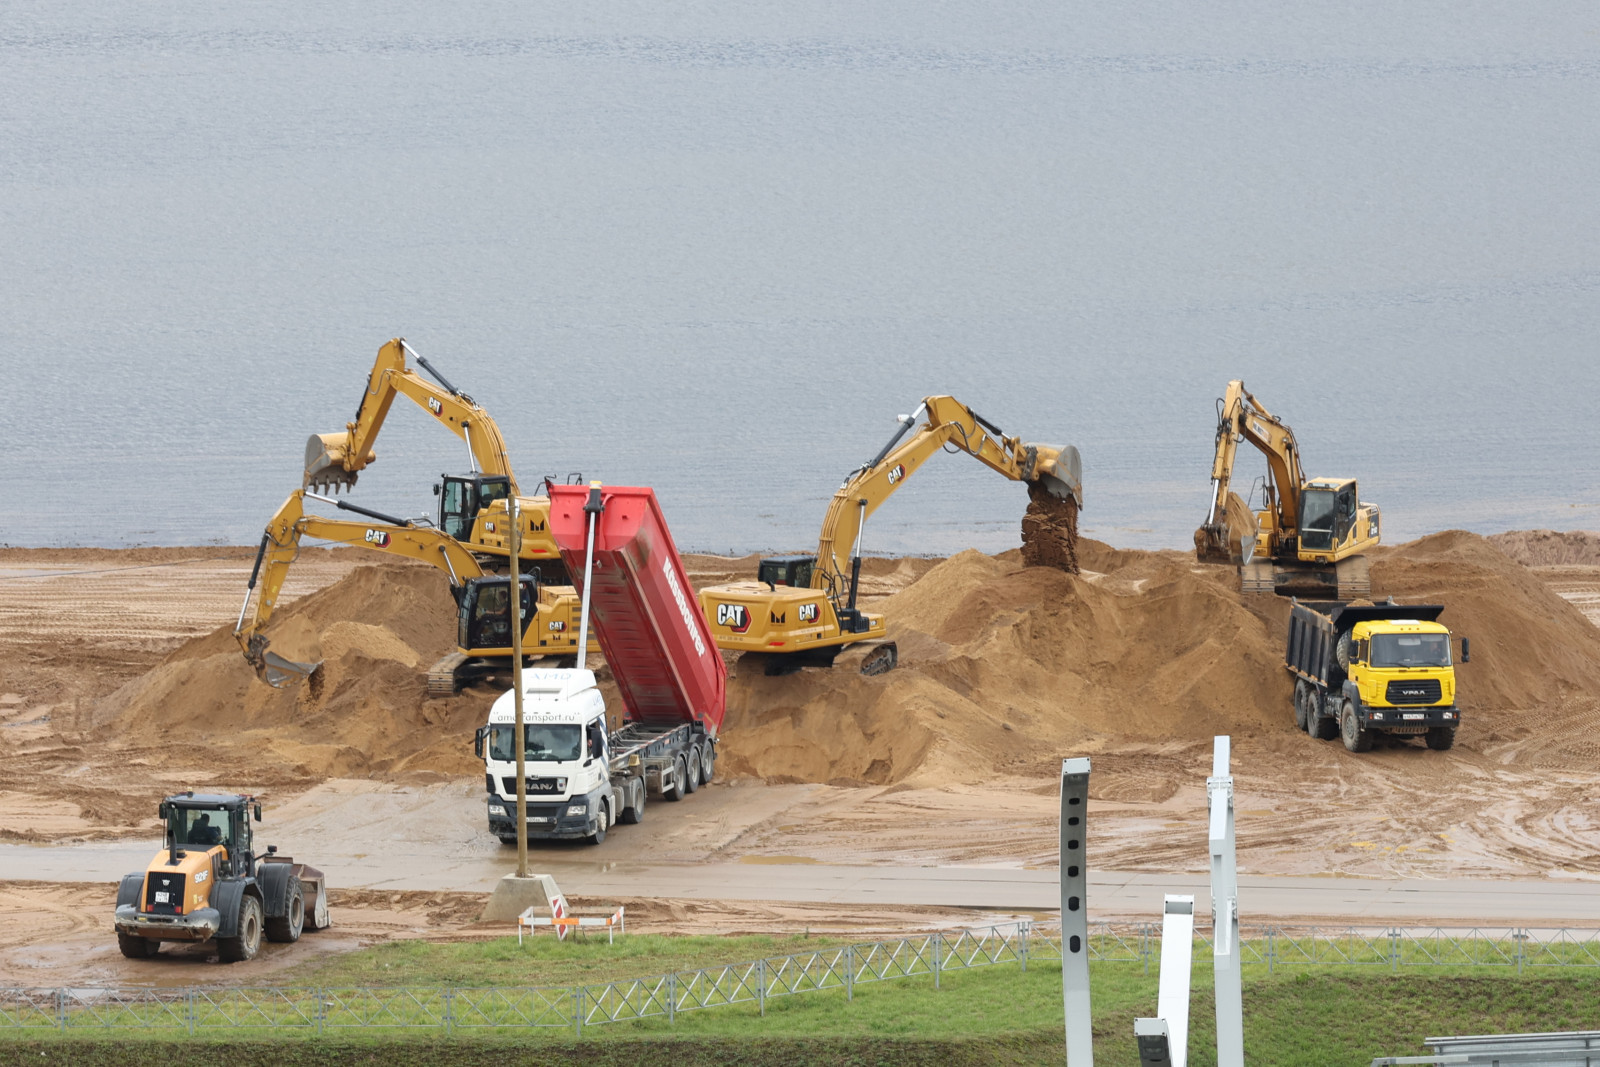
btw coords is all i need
(274, 880)
(643, 610)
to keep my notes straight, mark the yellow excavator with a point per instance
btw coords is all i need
(483, 601)
(1309, 536)
(474, 508)
(803, 610)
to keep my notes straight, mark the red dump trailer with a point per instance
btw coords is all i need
(641, 605)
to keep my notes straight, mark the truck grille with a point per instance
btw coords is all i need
(535, 785)
(1413, 691)
(163, 893)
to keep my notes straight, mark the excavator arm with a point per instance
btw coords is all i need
(335, 459)
(280, 547)
(1229, 533)
(951, 425)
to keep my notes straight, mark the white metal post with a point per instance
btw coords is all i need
(1075, 912)
(592, 508)
(1177, 957)
(1225, 909)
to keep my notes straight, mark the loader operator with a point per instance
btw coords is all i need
(201, 832)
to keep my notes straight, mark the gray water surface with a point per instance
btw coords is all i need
(716, 250)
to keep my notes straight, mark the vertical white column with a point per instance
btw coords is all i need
(1225, 910)
(1075, 912)
(1177, 959)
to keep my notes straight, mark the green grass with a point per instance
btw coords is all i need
(1300, 1016)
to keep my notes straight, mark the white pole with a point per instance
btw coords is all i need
(593, 508)
(1225, 909)
(514, 542)
(1075, 912)
(1177, 957)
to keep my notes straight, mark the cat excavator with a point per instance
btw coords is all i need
(803, 611)
(483, 601)
(1309, 537)
(474, 508)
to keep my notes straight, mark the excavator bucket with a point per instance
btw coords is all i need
(281, 673)
(1059, 471)
(1231, 541)
(325, 462)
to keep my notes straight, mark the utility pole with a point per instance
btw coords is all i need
(515, 542)
(1225, 908)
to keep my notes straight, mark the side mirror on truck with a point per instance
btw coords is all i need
(477, 741)
(1466, 650)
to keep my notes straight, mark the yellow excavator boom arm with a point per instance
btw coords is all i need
(949, 424)
(280, 547)
(334, 460)
(1229, 532)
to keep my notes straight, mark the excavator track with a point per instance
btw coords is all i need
(1355, 578)
(869, 657)
(442, 676)
(1259, 576)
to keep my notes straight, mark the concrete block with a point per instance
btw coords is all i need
(515, 895)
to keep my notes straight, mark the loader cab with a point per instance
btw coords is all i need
(792, 571)
(462, 496)
(202, 821)
(484, 615)
(1327, 513)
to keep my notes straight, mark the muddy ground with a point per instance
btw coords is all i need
(949, 761)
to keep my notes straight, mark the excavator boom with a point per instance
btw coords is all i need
(334, 460)
(949, 425)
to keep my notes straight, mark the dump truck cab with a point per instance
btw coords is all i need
(1362, 669)
(208, 882)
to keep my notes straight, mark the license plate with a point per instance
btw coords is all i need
(1409, 714)
(161, 898)
(539, 818)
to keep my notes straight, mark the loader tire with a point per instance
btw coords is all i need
(248, 942)
(1323, 727)
(1355, 738)
(1302, 721)
(288, 926)
(1441, 738)
(137, 948)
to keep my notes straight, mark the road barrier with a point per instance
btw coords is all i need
(321, 1010)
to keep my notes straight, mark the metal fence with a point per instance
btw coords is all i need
(320, 1010)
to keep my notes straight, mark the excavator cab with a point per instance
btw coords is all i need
(463, 496)
(1327, 511)
(485, 613)
(792, 571)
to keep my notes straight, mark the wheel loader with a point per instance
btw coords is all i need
(207, 882)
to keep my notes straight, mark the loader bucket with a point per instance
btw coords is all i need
(1059, 471)
(281, 673)
(1231, 541)
(325, 462)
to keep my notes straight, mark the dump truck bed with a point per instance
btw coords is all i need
(642, 607)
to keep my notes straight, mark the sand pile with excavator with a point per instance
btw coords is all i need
(1003, 667)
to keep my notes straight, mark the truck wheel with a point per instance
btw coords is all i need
(248, 942)
(1440, 738)
(1341, 651)
(287, 927)
(1301, 720)
(691, 763)
(1323, 727)
(708, 762)
(508, 839)
(633, 810)
(1355, 738)
(679, 776)
(601, 820)
(137, 948)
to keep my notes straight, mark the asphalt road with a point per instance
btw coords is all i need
(1112, 895)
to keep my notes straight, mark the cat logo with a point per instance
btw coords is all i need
(558, 626)
(378, 538)
(897, 472)
(734, 616)
(807, 613)
(434, 405)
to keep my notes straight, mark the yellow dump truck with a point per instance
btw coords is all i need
(1365, 669)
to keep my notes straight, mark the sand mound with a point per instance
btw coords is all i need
(375, 631)
(1530, 647)
(1003, 667)
(1548, 548)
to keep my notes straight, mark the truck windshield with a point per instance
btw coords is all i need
(547, 742)
(1317, 510)
(1411, 650)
